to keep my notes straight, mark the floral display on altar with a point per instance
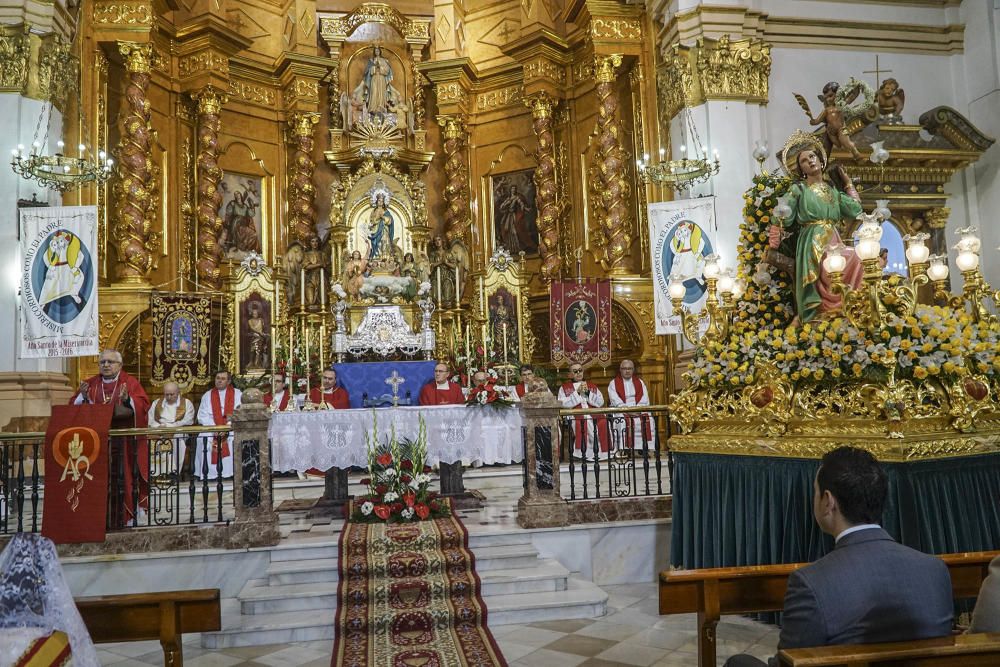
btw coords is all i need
(488, 394)
(934, 342)
(399, 481)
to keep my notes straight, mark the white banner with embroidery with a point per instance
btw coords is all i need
(680, 234)
(59, 282)
(336, 438)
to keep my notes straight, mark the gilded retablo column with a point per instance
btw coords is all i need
(609, 167)
(457, 217)
(210, 102)
(541, 106)
(301, 190)
(135, 189)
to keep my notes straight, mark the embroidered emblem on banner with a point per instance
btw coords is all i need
(74, 449)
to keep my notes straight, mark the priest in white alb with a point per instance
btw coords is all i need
(627, 390)
(578, 393)
(171, 411)
(216, 409)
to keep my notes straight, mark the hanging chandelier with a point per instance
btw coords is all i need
(692, 168)
(60, 171)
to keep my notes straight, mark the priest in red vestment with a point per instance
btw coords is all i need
(579, 393)
(627, 390)
(441, 390)
(527, 375)
(216, 409)
(277, 399)
(331, 395)
(116, 387)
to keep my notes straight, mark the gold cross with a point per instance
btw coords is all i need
(877, 72)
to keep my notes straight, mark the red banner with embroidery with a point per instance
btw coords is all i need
(580, 322)
(76, 473)
(181, 325)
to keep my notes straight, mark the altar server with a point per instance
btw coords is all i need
(579, 393)
(113, 386)
(441, 390)
(171, 411)
(216, 409)
(332, 395)
(626, 390)
(277, 399)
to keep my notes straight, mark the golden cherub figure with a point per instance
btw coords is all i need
(833, 116)
(890, 99)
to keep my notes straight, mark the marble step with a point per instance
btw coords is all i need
(546, 576)
(505, 557)
(305, 548)
(581, 599)
(302, 571)
(258, 598)
(279, 628)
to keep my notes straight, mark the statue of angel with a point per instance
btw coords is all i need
(890, 99)
(836, 111)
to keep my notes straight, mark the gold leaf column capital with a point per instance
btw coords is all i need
(609, 169)
(209, 101)
(457, 215)
(542, 106)
(301, 189)
(135, 189)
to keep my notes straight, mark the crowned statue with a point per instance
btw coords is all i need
(381, 225)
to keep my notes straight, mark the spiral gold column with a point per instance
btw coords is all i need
(541, 106)
(610, 168)
(135, 189)
(301, 190)
(210, 102)
(457, 218)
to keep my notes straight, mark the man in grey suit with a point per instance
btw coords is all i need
(869, 589)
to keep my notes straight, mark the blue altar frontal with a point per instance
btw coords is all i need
(375, 380)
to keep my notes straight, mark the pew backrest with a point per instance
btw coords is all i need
(974, 650)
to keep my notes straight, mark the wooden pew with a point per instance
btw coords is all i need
(715, 592)
(145, 616)
(976, 650)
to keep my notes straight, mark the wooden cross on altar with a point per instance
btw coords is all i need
(395, 380)
(877, 72)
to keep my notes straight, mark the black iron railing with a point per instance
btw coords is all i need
(616, 452)
(173, 493)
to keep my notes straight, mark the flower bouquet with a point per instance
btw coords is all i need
(488, 394)
(398, 486)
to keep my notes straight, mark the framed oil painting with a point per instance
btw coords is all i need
(241, 212)
(515, 216)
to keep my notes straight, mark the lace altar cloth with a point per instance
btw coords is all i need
(336, 438)
(35, 600)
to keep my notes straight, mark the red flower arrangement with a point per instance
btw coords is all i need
(488, 394)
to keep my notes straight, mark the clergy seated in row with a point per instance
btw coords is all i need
(627, 390)
(331, 394)
(113, 386)
(441, 390)
(527, 375)
(171, 411)
(578, 393)
(216, 409)
(277, 399)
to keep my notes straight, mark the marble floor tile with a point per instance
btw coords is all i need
(215, 659)
(546, 658)
(627, 653)
(571, 625)
(578, 644)
(512, 651)
(537, 637)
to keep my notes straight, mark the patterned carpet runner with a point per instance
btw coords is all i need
(409, 596)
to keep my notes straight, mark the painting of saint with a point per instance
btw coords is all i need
(62, 276)
(515, 216)
(503, 327)
(684, 253)
(241, 215)
(181, 336)
(255, 334)
(581, 322)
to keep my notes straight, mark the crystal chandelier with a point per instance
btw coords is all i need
(60, 171)
(694, 167)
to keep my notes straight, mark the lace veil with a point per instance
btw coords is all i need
(34, 597)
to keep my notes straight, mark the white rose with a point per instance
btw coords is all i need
(389, 472)
(407, 513)
(482, 398)
(390, 496)
(367, 508)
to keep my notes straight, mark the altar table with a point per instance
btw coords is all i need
(327, 439)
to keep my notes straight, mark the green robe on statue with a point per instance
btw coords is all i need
(817, 209)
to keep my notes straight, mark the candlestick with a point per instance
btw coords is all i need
(322, 288)
(482, 296)
(290, 375)
(458, 289)
(308, 365)
(506, 368)
(322, 340)
(302, 288)
(439, 286)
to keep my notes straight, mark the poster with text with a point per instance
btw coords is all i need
(681, 236)
(59, 282)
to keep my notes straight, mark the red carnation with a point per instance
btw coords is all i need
(382, 512)
(384, 459)
(423, 511)
(409, 499)
(406, 464)
(397, 507)
(405, 479)
(434, 505)
(381, 489)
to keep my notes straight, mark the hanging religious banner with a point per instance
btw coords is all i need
(680, 239)
(580, 322)
(75, 505)
(180, 338)
(59, 282)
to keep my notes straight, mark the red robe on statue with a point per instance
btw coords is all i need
(282, 404)
(431, 395)
(136, 450)
(336, 398)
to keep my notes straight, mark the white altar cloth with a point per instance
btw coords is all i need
(336, 438)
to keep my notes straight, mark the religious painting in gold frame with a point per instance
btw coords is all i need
(515, 214)
(512, 165)
(251, 318)
(508, 315)
(246, 173)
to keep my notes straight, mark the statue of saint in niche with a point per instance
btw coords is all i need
(375, 97)
(381, 229)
